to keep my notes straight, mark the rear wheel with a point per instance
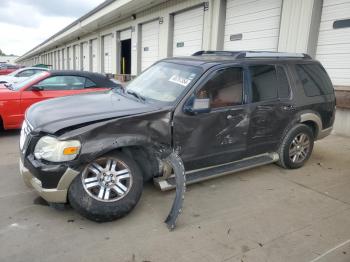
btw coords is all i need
(107, 189)
(296, 147)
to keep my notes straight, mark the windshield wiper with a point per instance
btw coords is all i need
(137, 95)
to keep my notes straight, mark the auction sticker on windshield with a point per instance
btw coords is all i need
(180, 80)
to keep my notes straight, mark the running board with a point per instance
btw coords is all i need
(203, 174)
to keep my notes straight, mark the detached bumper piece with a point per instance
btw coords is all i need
(180, 180)
(52, 195)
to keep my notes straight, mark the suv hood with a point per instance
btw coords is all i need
(55, 114)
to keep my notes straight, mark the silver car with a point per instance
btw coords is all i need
(21, 74)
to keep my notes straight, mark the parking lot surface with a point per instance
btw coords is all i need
(264, 214)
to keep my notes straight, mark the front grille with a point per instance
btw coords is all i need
(23, 141)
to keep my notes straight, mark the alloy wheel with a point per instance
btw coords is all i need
(299, 148)
(107, 179)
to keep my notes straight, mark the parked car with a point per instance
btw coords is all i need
(16, 98)
(20, 74)
(217, 112)
(6, 69)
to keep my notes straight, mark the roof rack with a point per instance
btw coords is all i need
(253, 54)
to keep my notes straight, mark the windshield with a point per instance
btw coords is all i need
(164, 81)
(28, 80)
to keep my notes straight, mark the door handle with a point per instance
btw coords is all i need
(288, 107)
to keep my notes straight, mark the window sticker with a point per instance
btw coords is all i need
(180, 80)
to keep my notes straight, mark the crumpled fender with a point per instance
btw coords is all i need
(179, 170)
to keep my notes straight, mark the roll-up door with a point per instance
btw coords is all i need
(149, 44)
(85, 59)
(188, 32)
(64, 60)
(333, 47)
(59, 59)
(252, 25)
(107, 54)
(70, 58)
(94, 55)
(77, 57)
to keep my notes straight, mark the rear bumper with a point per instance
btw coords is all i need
(325, 132)
(53, 195)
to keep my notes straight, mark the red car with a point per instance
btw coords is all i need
(16, 98)
(6, 69)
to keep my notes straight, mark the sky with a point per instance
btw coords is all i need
(26, 23)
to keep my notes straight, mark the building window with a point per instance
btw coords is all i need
(344, 23)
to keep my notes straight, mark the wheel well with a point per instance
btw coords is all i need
(145, 158)
(313, 127)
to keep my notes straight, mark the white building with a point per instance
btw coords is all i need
(127, 36)
(8, 59)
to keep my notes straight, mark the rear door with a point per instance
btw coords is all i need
(57, 86)
(271, 107)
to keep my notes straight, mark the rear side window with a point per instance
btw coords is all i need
(268, 82)
(89, 83)
(314, 80)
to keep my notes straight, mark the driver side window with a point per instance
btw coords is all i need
(63, 83)
(224, 89)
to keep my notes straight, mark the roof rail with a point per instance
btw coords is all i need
(253, 54)
(217, 53)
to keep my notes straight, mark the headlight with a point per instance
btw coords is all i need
(54, 150)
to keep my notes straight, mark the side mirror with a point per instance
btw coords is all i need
(37, 88)
(198, 105)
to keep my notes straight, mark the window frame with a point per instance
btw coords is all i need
(284, 67)
(211, 74)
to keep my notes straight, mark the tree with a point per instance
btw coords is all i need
(2, 53)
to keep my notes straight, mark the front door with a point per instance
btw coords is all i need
(217, 136)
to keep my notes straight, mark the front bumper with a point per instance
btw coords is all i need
(54, 195)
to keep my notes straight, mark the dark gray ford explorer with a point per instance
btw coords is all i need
(188, 118)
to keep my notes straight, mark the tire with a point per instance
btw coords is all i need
(296, 147)
(88, 200)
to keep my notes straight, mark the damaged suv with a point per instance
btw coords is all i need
(197, 117)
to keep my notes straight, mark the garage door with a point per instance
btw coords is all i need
(70, 57)
(333, 48)
(107, 54)
(59, 59)
(188, 32)
(94, 55)
(64, 60)
(149, 44)
(252, 25)
(77, 57)
(85, 46)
